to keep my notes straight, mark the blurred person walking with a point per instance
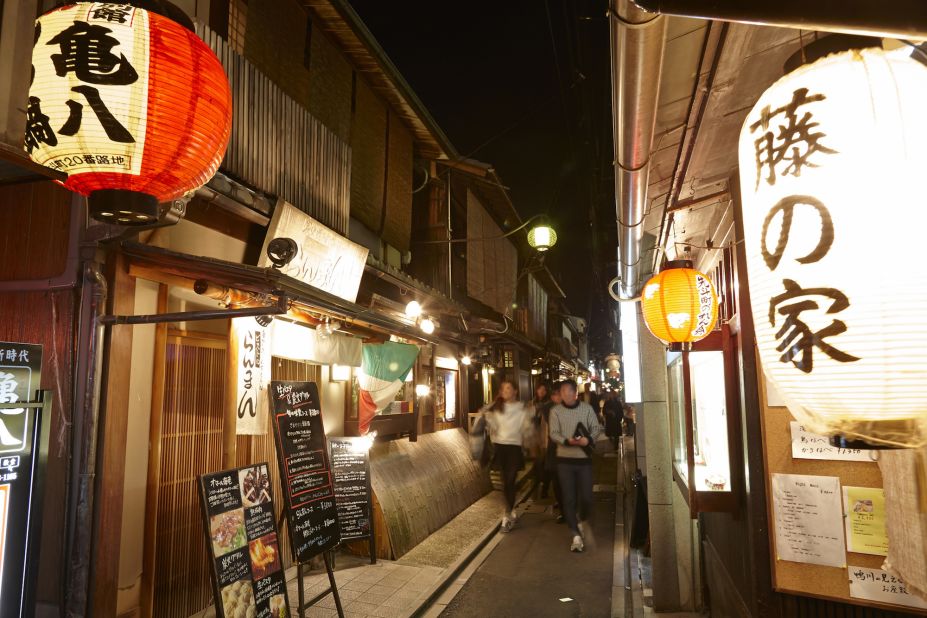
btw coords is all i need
(574, 427)
(511, 427)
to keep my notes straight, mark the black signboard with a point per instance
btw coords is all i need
(24, 422)
(238, 517)
(351, 469)
(302, 453)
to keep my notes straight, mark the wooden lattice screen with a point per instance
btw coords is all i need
(191, 444)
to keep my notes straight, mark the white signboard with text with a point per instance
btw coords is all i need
(252, 376)
(325, 259)
(881, 586)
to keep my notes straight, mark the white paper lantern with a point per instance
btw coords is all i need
(833, 163)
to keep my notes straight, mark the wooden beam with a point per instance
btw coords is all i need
(152, 492)
(229, 439)
(111, 450)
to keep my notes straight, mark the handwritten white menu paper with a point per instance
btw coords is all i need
(881, 586)
(808, 519)
(807, 445)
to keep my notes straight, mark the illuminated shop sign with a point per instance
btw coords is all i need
(23, 452)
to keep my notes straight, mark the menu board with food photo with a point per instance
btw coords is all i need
(238, 514)
(305, 468)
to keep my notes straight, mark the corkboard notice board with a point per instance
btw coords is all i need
(797, 577)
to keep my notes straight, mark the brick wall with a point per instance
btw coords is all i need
(330, 85)
(275, 43)
(398, 222)
(368, 156)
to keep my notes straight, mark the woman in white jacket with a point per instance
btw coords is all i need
(510, 428)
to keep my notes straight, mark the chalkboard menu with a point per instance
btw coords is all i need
(302, 453)
(238, 516)
(351, 469)
(24, 425)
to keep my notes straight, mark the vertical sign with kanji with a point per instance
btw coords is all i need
(23, 449)
(89, 90)
(252, 375)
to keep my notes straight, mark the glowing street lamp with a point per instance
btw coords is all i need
(542, 236)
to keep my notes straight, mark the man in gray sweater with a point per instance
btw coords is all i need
(574, 463)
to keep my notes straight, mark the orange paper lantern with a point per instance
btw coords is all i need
(134, 107)
(679, 304)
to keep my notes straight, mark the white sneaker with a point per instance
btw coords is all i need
(577, 545)
(506, 524)
(513, 516)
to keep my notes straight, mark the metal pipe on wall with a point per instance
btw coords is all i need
(637, 41)
(892, 18)
(84, 442)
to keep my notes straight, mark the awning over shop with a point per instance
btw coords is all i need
(17, 167)
(183, 269)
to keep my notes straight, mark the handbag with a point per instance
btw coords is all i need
(582, 432)
(478, 439)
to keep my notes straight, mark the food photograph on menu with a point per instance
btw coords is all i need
(265, 556)
(255, 485)
(227, 531)
(238, 600)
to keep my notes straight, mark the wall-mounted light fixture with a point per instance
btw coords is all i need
(340, 373)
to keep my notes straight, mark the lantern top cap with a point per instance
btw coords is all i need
(677, 264)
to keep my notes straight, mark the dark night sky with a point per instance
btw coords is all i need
(487, 70)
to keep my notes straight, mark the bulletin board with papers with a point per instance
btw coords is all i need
(827, 516)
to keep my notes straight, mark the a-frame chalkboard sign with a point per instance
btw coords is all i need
(306, 475)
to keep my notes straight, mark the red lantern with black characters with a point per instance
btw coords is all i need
(134, 107)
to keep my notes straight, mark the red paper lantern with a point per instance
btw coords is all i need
(679, 304)
(135, 108)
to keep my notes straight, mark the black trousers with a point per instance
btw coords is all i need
(510, 460)
(576, 486)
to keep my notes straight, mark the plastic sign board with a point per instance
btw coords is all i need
(305, 469)
(244, 546)
(23, 453)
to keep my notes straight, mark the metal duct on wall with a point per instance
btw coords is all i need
(892, 18)
(637, 43)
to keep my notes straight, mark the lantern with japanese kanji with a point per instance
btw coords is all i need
(135, 108)
(679, 304)
(832, 162)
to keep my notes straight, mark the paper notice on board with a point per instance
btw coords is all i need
(865, 520)
(807, 445)
(881, 586)
(808, 519)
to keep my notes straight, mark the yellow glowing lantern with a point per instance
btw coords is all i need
(832, 161)
(679, 304)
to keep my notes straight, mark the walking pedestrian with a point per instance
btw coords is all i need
(510, 428)
(540, 414)
(574, 427)
(553, 478)
(614, 414)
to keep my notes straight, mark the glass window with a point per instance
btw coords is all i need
(709, 421)
(677, 410)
